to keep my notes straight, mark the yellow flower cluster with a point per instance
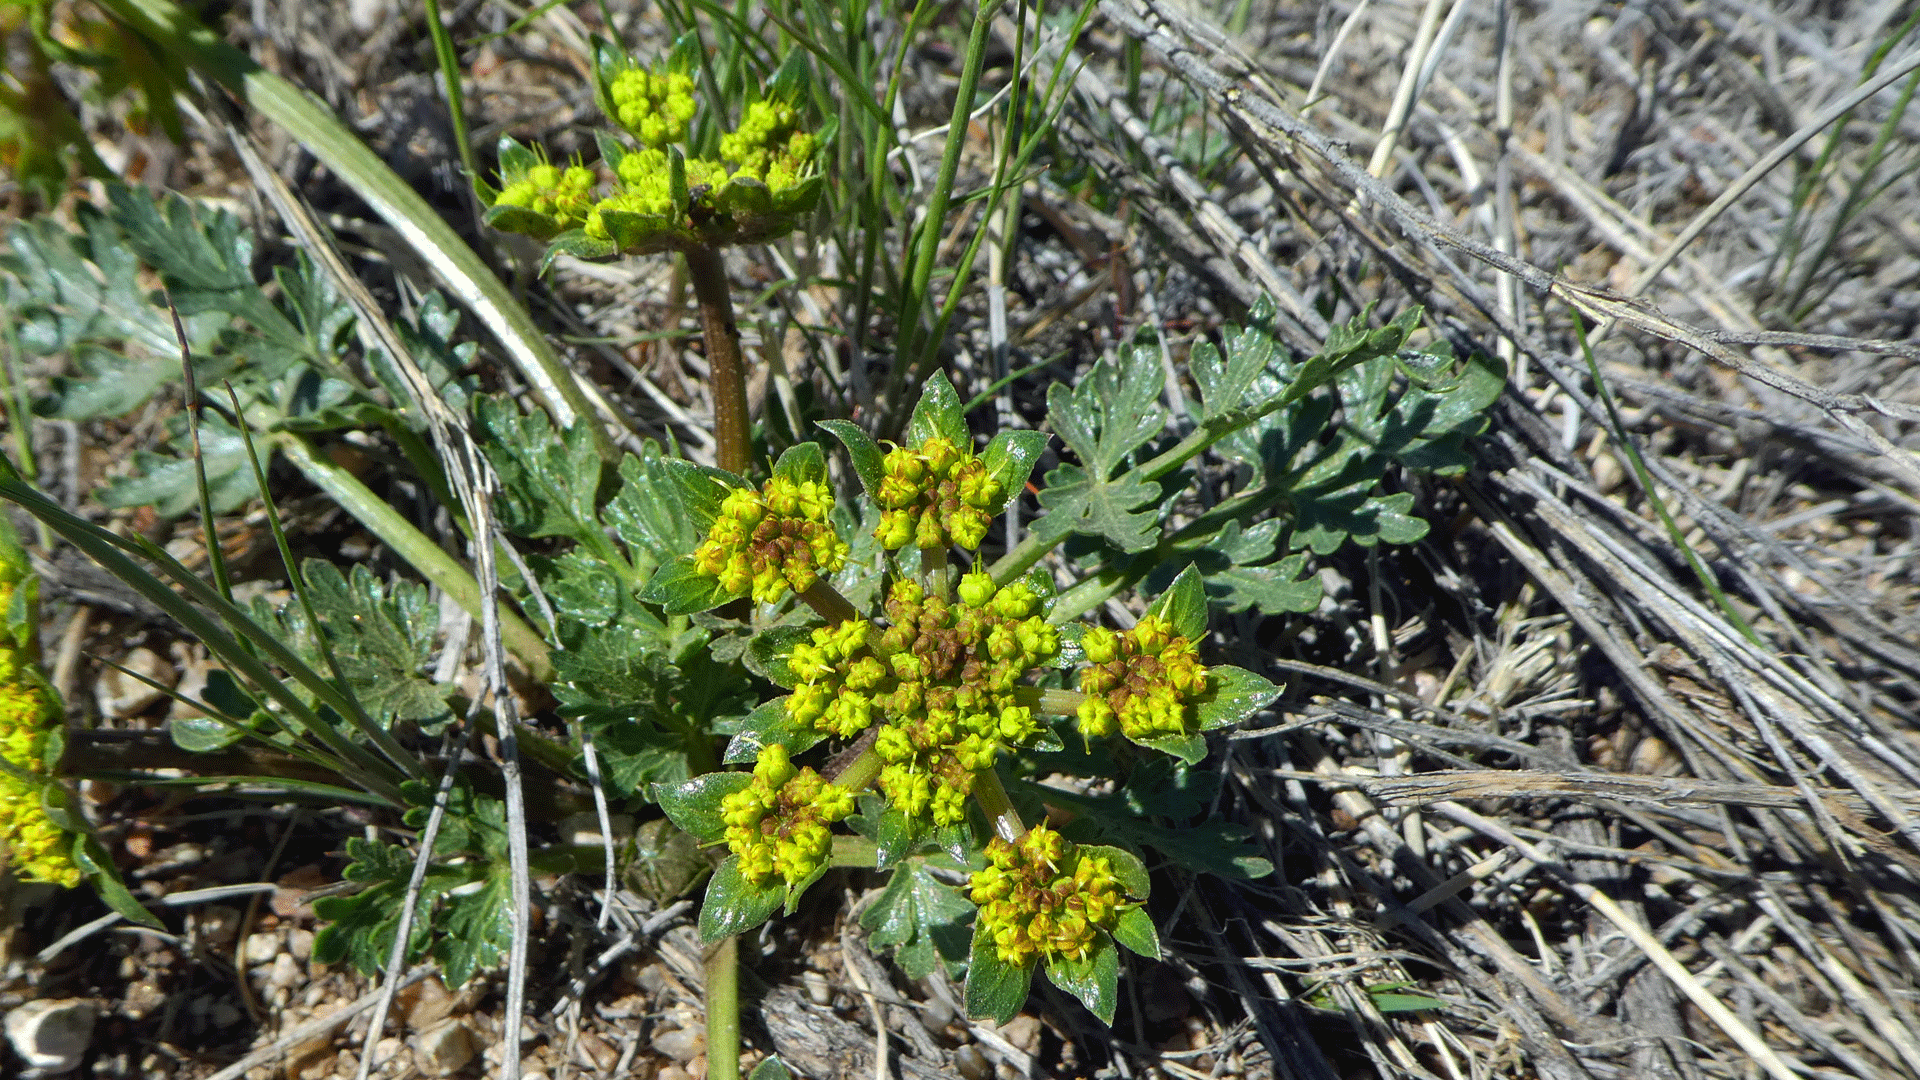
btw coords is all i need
(38, 849)
(769, 145)
(564, 195)
(934, 496)
(1140, 681)
(654, 106)
(940, 678)
(772, 540)
(779, 825)
(1043, 897)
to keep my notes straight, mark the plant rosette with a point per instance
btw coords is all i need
(932, 695)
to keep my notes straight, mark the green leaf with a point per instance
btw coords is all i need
(1208, 847)
(765, 726)
(996, 990)
(382, 638)
(1191, 749)
(1224, 382)
(1277, 588)
(204, 734)
(681, 589)
(1127, 868)
(581, 587)
(897, 837)
(1235, 695)
(1109, 415)
(1094, 979)
(477, 928)
(93, 861)
(666, 861)
(1394, 1003)
(733, 905)
(770, 653)
(1009, 458)
(577, 243)
(861, 449)
(659, 504)
(170, 484)
(938, 415)
(1184, 604)
(770, 1069)
(695, 804)
(1135, 930)
(802, 462)
(921, 918)
(550, 482)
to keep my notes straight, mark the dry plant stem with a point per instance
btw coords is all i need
(723, 1010)
(709, 277)
(1747, 1039)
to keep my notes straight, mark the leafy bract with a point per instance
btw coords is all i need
(922, 919)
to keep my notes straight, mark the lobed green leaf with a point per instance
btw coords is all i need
(694, 805)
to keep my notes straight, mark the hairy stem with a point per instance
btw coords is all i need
(709, 277)
(723, 1010)
(998, 808)
(1049, 702)
(859, 772)
(854, 851)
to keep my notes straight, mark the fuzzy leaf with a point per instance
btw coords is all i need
(765, 726)
(861, 449)
(996, 990)
(938, 415)
(1109, 415)
(1095, 979)
(1236, 695)
(695, 804)
(681, 589)
(1135, 930)
(921, 918)
(550, 481)
(770, 653)
(382, 638)
(802, 462)
(734, 905)
(1184, 604)
(1277, 588)
(1010, 458)
(654, 510)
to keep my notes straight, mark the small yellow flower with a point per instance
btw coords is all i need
(1042, 898)
(778, 824)
(1141, 682)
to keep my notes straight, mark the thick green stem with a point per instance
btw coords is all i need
(859, 772)
(411, 544)
(854, 851)
(1016, 562)
(998, 808)
(723, 1010)
(729, 382)
(826, 600)
(1049, 702)
(933, 570)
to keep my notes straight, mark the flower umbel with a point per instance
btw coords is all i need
(29, 714)
(939, 679)
(653, 106)
(1042, 897)
(772, 540)
(935, 496)
(779, 825)
(1141, 681)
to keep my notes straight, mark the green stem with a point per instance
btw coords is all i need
(411, 544)
(854, 851)
(708, 275)
(927, 243)
(1049, 702)
(1016, 562)
(443, 50)
(828, 603)
(723, 1010)
(998, 808)
(859, 772)
(933, 570)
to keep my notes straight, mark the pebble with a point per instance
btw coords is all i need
(597, 1053)
(971, 1063)
(260, 948)
(682, 1044)
(444, 1050)
(1023, 1032)
(121, 695)
(51, 1035)
(300, 944)
(819, 991)
(284, 973)
(218, 923)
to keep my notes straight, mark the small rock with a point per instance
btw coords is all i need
(284, 973)
(1023, 1032)
(290, 897)
(682, 1044)
(121, 695)
(597, 1053)
(51, 1036)
(673, 1072)
(300, 944)
(218, 923)
(260, 948)
(818, 990)
(971, 1063)
(224, 1014)
(444, 1050)
(426, 1003)
(141, 999)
